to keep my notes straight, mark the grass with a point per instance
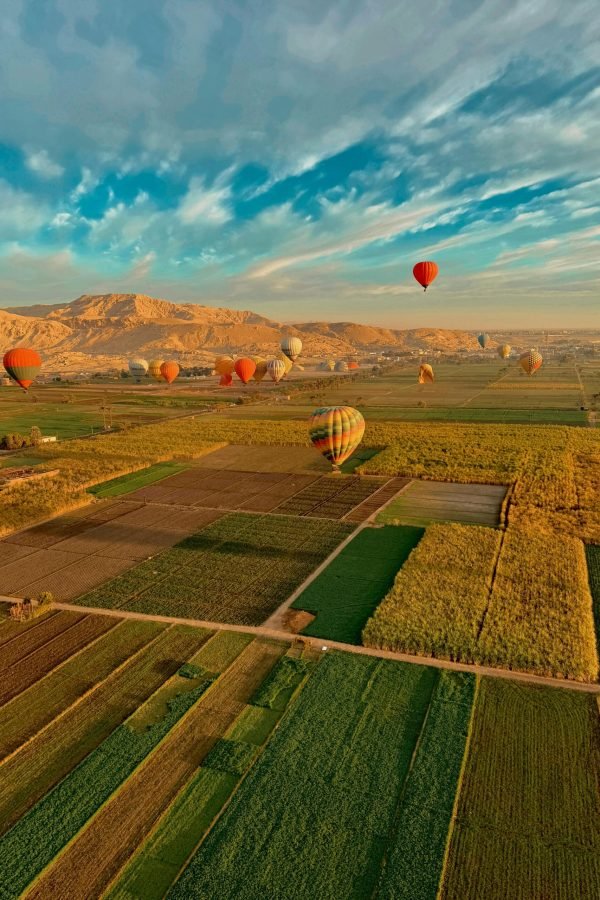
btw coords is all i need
(238, 569)
(332, 774)
(347, 592)
(134, 480)
(528, 820)
(592, 553)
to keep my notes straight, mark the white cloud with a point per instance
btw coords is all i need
(40, 163)
(206, 205)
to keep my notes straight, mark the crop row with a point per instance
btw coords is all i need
(592, 553)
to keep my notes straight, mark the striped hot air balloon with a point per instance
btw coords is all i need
(425, 373)
(154, 369)
(169, 370)
(483, 340)
(226, 380)
(341, 365)
(330, 364)
(244, 368)
(504, 351)
(530, 361)
(224, 365)
(425, 273)
(261, 368)
(23, 365)
(138, 368)
(276, 369)
(292, 347)
(336, 431)
(288, 364)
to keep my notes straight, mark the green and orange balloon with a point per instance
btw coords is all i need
(23, 365)
(336, 431)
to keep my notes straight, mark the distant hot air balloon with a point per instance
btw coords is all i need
(504, 351)
(353, 365)
(226, 380)
(292, 347)
(138, 368)
(425, 373)
(169, 370)
(224, 365)
(288, 364)
(22, 365)
(244, 368)
(330, 363)
(530, 361)
(154, 369)
(425, 273)
(261, 368)
(483, 339)
(336, 431)
(276, 369)
(341, 365)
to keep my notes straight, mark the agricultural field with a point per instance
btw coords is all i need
(592, 553)
(345, 594)
(238, 569)
(131, 482)
(423, 502)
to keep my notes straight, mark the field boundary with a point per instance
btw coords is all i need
(588, 687)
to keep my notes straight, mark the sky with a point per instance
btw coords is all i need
(297, 158)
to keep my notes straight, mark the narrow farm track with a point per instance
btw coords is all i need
(277, 634)
(80, 873)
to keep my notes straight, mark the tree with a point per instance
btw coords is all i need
(35, 436)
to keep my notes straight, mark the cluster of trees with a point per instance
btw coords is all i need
(15, 441)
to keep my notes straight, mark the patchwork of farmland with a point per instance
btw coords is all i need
(423, 502)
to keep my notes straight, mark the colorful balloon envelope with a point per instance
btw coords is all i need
(504, 351)
(425, 273)
(292, 347)
(483, 340)
(276, 369)
(169, 371)
(425, 373)
(261, 368)
(226, 380)
(353, 365)
(22, 365)
(224, 365)
(330, 363)
(245, 368)
(154, 369)
(138, 367)
(530, 361)
(336, 431)
(288, 364)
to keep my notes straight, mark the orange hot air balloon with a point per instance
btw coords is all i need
(245, 368)
(425, 273)
(425, 373)
(169, 371)
(226, 380)
(223, 365)
(261, 368)
(22, 365)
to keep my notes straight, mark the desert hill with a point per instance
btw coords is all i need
(101, 330)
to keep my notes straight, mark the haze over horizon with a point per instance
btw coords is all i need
(297, 161)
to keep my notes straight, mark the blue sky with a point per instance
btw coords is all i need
(298, 158)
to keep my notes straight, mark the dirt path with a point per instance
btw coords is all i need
(277, 634)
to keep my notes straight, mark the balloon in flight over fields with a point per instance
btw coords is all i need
(425, 273)
(504, 351)
(244, 368)
(276, 369)
(292, 347)
(154, 369)
(336, 431)
(22, 365)
(530, 361)
(138, 368)
(169, 370)
(261, 368)
(425, 373)
(483, 340)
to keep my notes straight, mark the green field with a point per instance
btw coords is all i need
(347, 592)
(128, 483)
(592, 553)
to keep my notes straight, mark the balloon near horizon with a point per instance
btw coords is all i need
(336, 432)
(169, 371)
(530, 361)
(425, 373)
(23, 365)
(245, 367)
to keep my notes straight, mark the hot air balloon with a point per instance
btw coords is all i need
(226, 380)
(530, 361)
(425, 373)
(261, 368)
(22, 365)
(276, 369)
(504, 351)
(353, 365)
(292, 347)
(154, 369)
(341, 365)
(336, 431)
(425, 273)
(483, 340)
(224, 365)
(244, 368)
(138, 368)
(169, 370)
(330, 363)
(288, 364)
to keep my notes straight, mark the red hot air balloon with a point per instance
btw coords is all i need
(425, 273)
(22, 365)
(169, 371)
(225, 380)
(245, 369)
